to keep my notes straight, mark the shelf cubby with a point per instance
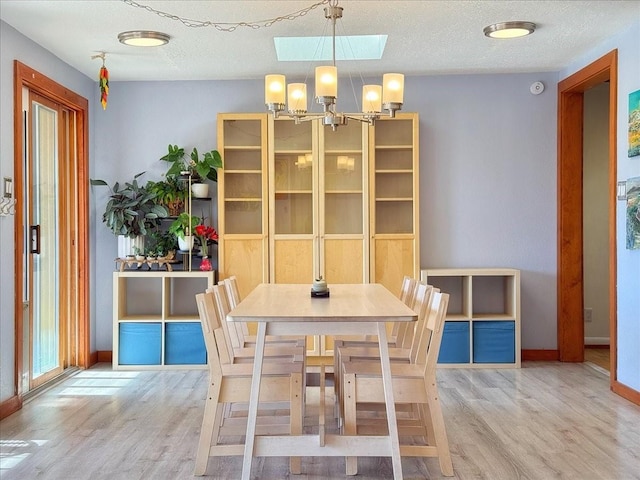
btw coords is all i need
(482, 327)
(155, 321)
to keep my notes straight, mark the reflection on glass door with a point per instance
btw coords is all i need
(46, 346)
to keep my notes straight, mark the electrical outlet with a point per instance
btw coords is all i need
(588, 315)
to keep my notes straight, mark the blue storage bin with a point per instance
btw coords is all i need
(455, 343)
(140, 344)
(494, 342)
(184, 344)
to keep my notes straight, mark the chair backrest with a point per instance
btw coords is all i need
(429, 347)
(407, 291)
(222, 309)
(407, 295)
(231, 284)
(210, 323)
(421, 307)
(233, 295)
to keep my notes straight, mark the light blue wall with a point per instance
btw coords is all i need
(14, 46)
(487, 178)
(628, 264)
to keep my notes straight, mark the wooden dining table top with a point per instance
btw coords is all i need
(366, 302)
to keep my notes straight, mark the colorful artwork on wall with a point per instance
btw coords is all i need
(633, 213)
(634, 123)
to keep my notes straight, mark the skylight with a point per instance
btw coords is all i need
(348, 47)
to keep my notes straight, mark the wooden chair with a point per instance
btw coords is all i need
(413, 383)
(229, 383)
(361, 352)
(397, 339)
(241, 337)
(237, 354)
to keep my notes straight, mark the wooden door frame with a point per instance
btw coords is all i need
(570, 215)
(25, 76)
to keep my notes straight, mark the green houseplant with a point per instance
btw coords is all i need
(200, 169)
(182, 227)
(131, 212)
(170, 192)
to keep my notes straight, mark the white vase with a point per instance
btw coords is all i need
(126, 245)
(185, 243)
(200, 190)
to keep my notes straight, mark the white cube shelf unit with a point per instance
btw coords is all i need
(155, 320)
(482, 327)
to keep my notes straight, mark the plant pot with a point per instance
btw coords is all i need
(126, 245)
(200, 190)
(185, 243)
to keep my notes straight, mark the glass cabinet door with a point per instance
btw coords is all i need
(242, 177)
(293, 188)
(343, 204)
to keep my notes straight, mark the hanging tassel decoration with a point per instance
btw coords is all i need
(104, 86)
(103, 80)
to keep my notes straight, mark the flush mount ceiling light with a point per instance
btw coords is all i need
(377, 100)
(509, 29)
(143, 38)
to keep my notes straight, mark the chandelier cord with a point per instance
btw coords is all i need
(228, 26)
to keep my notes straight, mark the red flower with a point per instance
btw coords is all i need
(206, 233)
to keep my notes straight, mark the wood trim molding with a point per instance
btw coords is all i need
(625, 392)
(25, 76)
(9, 406)
(540, 355)
(570, 252)
(104, 356)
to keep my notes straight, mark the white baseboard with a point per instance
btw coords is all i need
(596, 340)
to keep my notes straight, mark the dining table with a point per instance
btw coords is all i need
(348, 309)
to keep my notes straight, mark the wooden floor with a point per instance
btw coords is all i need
(598, 356)
(544, 421)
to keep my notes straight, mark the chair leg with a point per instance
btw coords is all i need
(208, 424)
(296, 412)
(439, 430)
(349, 411)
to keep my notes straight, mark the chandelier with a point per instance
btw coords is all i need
(377, 100)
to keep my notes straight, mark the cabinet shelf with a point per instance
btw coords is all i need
(240, 148)
(240, 171)
(338, 192)
(343, 152)
(394, 147)
(392, 171)
(293, 192)
(399, 199)
(243, 199)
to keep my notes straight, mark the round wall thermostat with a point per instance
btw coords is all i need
(537, 88)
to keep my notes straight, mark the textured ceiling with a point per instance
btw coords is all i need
(425, 37)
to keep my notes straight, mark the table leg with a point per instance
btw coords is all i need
(389, 401)
(252, 414)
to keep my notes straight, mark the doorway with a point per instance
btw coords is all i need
(570, 207)
(51, 230)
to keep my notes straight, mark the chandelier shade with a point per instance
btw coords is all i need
(376, 100)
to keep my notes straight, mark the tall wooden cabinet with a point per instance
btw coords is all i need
(393, 200)
(242, 199)
(299, 201)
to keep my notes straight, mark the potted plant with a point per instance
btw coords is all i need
(130, 213)
(165, 243)
(169, 192)
(182, 227)
(200, 169)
